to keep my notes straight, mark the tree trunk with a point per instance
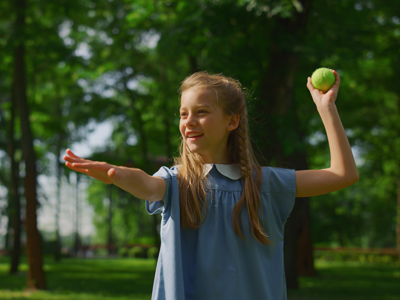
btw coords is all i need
(9, 230)
(59, 170)
(35, 278)
(278, 119)
(305, 260)
(398, 215)
(14, 204)
(77, 244)
(301, 224)
(109, 221)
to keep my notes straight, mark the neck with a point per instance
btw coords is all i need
(224, 160)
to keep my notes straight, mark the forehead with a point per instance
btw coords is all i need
(198, 97)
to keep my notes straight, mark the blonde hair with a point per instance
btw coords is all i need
(192, 194)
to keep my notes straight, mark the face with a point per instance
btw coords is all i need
(204, 126)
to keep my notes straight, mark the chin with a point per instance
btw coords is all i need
(195, 149)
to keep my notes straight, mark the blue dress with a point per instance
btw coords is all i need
(212, 262)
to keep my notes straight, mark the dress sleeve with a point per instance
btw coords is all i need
(156, 207)
(280, 184)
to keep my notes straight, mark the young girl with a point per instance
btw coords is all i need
(223, 215)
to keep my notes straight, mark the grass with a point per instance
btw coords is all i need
(350, 281)
(88, 279)
(123, 279)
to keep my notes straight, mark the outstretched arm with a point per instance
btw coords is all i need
(343, 171)
(134, 181)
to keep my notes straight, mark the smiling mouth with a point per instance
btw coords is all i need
(194, 138)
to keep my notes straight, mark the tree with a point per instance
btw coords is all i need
(14, 205)
(35, 277)
(277, 104)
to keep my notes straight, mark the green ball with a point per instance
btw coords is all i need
(323, 79)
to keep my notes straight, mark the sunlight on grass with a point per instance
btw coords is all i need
(102, 279)
(123, 279)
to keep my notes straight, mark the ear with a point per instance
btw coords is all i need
(233, 122)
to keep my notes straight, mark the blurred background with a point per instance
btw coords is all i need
(102, 78)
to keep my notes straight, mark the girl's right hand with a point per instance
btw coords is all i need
(99, 170)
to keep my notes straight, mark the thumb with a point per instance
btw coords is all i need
(111, 172)
(310, 86)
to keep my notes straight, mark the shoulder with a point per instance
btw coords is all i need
(166, 172)
(278, 180)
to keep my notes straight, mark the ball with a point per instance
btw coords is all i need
(323, 79)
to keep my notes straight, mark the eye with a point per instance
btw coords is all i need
(202, 111)
(183, 114)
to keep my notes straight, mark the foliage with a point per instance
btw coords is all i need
(122, 61)
(369, 105)
(354, 256)
(153, 252)
(136, 252)
(100, 253)
(129, 222)
(123, 252)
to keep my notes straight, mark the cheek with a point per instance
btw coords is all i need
(210, 123)
(181, 128)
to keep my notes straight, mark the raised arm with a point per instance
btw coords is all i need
(343, 171)
(132, 180)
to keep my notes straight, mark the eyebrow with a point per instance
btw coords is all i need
(199, 105)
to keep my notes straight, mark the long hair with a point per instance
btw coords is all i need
(192, 186)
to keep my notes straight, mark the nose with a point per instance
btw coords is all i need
(190, 120)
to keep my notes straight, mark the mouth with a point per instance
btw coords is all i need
(194, 137)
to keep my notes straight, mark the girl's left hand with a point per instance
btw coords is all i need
(322, 99)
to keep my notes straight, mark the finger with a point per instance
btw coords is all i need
(337, 78)
(80, 170)
(309, 85)
(70, 153)
(72, 159)
(69, 158)
(313, 91)
(91, 165)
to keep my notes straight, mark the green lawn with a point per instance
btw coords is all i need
(89, 279)
(120, 279)
(350, 281)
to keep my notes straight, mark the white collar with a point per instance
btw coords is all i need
(232, 171)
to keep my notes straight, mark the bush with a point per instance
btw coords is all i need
(123, 252)
(101, 252)
(143, 241)
(137, 252)
(348, 255)
(153, 252)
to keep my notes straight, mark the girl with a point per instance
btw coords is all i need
(222, 214)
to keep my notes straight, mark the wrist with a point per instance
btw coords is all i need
(327, 108)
